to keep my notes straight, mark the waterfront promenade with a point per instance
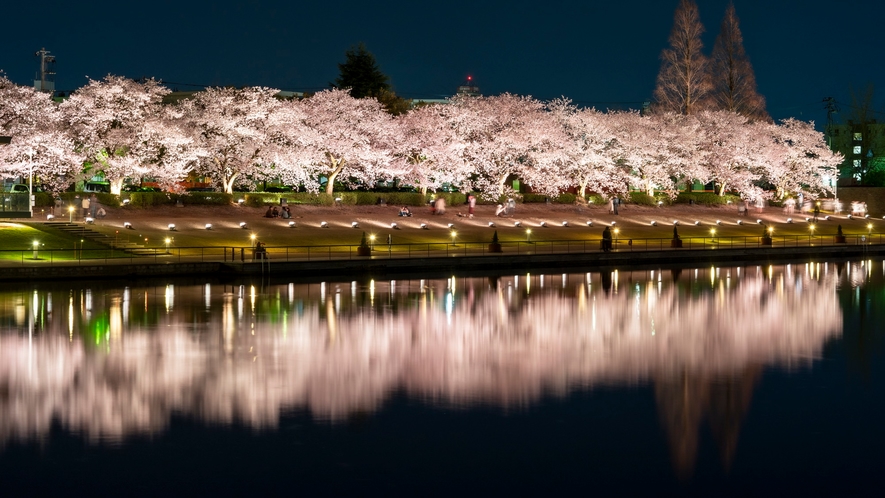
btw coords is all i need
(320, 241)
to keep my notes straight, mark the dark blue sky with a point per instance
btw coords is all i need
(604, 54)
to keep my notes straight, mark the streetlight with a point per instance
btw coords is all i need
(528, 235)
(252, 239)
(168, 241)
(70, 214)
(372, 241)
(36, 245)
(454, 234)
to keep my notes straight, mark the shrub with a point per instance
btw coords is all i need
(43, 199)
(566, 198)
(204, 198)
(260, 199)
(705, 198)
(642, 199)
(597, 199)
(148, 199)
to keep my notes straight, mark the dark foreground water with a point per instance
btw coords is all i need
(742, 381)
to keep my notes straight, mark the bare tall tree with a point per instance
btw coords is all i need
(732, 78)
(683, 82)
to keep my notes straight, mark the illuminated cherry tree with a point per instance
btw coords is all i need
(349, 139)
(107, 122)
(509, 136)
(796, 157)
(588, 159)
(428, 152)
(230, 127)
(40, 148)
(730, 150)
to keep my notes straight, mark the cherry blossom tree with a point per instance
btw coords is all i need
(428, 150)
(349, 139)
(509, 135)
(588, 155)
(107, 122)
(796, 157)
(656, 151)
(730, 149)
(229, 126)
(40, 146)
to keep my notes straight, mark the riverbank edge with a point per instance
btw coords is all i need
(379, 266)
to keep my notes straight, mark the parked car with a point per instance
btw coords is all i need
(22, 188)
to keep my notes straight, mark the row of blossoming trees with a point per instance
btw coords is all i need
(120, 128)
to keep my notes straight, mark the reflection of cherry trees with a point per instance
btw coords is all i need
(114, 363)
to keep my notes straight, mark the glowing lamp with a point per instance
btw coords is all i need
(324, 224)
(354, 224)
(491, 223)
(90, 220)
(172, 227)
(291, 224)
(208, 226)
(243, 225)
(565, 223)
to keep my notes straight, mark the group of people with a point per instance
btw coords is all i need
(275, 212)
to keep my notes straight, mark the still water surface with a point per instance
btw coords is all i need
(764, 380)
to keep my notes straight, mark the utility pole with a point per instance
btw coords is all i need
(45, 79)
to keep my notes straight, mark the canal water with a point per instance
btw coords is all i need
(725, 381)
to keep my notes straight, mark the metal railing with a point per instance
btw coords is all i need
(413, 250)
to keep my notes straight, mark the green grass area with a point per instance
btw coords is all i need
(17, 239)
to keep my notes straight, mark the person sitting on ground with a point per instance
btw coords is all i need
(404, 211)
(286, 213)
(276, 212)
(269, 213)
(101, 213)
(499, 211)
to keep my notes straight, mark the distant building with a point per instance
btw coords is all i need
(863, 145)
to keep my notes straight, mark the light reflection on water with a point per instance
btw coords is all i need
(110, 363)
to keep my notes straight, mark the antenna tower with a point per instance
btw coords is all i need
(45, 79)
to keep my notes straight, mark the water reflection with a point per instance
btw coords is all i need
(110, 363)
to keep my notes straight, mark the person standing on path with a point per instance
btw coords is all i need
(85, 205)
(471, 205)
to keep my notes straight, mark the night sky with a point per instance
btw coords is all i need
(601, 54)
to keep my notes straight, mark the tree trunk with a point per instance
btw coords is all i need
(229, 184)
(117, 186)
(337, 166)
(721, 190)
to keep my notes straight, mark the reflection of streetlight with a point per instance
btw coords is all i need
(617, 231)
(372, 241)
(528, 234)
(36, 245)
(454, 234)
(70, 214)
(713, 235)
(168, 240)
(252, 239)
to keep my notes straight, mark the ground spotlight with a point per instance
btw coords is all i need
(758, 222)
(125, 201)
(424, 226)
(492, 224)
(172, 227)
(208, 226)
(451, 225)
(243, 225)
(354, 224)
(740, 222)
(127, 225)
(240, 202)
(675, 222)
(827, 217)
(393, 226)
(697, 222)
(589, 223)
(90, 220)
(50, 216)
(789, 220)
(565, 223)
(291, 224)
(324, 224)
(718, 222)
(543, 224)
(517, 224)
(654, 223)
(849, 216)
